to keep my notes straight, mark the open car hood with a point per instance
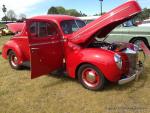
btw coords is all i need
(102, 26)
(15, 27)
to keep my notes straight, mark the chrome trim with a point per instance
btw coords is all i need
(131, 78)
(36, 44)
(127, 34)
(45, 43)
(34, 48)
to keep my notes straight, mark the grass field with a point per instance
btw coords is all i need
(60, 94)
(2, 25)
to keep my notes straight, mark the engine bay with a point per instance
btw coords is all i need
(108, 46)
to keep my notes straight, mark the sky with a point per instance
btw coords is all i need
(40, 7)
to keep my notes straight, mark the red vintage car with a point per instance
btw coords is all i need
(52, 42)
(15, 27)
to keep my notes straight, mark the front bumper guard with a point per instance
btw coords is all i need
(135, 76)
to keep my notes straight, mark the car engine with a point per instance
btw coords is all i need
(108, 46)
(129, 49)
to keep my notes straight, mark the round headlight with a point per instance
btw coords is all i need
(118, 60)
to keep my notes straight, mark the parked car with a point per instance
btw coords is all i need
(53, 41)
(128, 32)
(145, 23)
(12, 28)
(5, 31)
(15, 27)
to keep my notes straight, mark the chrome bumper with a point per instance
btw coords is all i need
(131, 78)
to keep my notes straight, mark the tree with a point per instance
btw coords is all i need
(99, 14)
(82, 14)
(5, 18)
(73, 12)
(145, 14)
(22, 17)
(11, 15)
(52, 10)
(4, 9)
(62, 10)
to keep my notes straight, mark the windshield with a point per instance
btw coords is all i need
(70, 26)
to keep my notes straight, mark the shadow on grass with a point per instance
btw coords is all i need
(59, 75)
(132, 86)
(0, 52)
(62, 78)
(23, 68)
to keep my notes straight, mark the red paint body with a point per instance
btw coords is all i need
(47, 54)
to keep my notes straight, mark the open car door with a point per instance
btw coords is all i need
(45, 43)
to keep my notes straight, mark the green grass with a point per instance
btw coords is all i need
(59, 94)
(3, 39)
(2, 25)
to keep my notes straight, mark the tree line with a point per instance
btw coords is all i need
(11, 15)
(145, 14)
(62, 10)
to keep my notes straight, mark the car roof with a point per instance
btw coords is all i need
(55, 17)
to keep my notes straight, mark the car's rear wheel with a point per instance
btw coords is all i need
(91, 77)
(13, 60)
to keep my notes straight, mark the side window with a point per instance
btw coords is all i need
(33, 28)
(42, 29)
(51, 29)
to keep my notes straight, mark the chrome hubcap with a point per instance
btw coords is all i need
(138, 44)
(14, 60)
(90, 77)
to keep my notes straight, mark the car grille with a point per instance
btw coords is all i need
(132, 58)
(125, 64)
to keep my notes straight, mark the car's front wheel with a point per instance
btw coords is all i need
(13, 60)
(139, 41)
(91, 77)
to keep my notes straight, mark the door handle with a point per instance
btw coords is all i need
(34, 48)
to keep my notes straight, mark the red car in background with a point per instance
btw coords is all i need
(55, 41)
(11, 28)
(15, 27)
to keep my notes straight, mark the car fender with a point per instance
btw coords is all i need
(12, 45)
(102, 59)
